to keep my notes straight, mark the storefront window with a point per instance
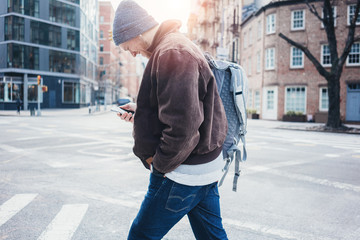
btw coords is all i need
(1, 90)
(71, 92)
(32, 92)
(10, 91)
(83, 93)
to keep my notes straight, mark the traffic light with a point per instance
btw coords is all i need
(44, 88)
(110, 35)
(38, 79)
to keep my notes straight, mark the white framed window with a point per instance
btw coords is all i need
(334, 16)
(297, 58)
(270, 59)
(258, 62)
(101, 19)
(324, 99)
(250, 99)
(245, 40)
(295, 99)
(270, 23)
(354, 56)
(351, 13)
(257, 101)
(298, 20)
(249, 66)
(250, 37)
(325, 56)
(101, 47)
(259, 30)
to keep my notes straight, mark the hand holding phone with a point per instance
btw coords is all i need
(121, 111)
(126, 112)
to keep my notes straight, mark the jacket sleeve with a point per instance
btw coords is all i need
(180, 108)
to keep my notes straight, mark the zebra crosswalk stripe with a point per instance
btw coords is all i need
(65, 223)
(14, 205)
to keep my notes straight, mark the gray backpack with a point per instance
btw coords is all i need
(233, 90)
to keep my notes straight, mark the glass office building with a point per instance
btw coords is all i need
(58, 40)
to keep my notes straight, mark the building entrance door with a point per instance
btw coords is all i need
(52, 99)
(270, 102)
(353, 102)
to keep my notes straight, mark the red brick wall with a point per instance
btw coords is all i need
(283, 75)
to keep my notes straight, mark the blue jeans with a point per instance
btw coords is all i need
(166, 202)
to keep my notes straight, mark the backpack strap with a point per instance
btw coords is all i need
(233, 154)
(237, 79)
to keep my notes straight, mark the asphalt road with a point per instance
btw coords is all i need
(73, 176)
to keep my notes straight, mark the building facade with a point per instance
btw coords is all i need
(214, 26)
(57, 40)
(109, 57)
(281, 78)
(119, 73)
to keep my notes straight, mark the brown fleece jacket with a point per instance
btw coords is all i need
(179, 117)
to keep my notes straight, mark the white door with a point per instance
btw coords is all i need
(270, 102)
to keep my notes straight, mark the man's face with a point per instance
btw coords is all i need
(135, 46)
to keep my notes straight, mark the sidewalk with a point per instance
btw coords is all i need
(71, 112)
(301, 126)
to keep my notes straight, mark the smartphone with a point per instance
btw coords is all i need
(120, 110)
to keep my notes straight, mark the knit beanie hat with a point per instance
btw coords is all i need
(130, 21)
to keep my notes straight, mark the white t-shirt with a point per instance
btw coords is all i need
(198, 175)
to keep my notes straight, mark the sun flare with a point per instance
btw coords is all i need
(162, 10)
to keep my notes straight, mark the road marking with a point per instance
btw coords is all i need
(29, 138)
(65, 223)
(12, 159)
(332, 155)
(14, 205)
(304, 144)
(11, 149)
(273, 170)
(13, 130)
(273, 231)
(66, 146)
(124, 200)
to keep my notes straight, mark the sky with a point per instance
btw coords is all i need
(162, 10)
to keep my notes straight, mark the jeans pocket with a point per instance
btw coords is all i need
(180, 198)
(155, 185)
(216, 190)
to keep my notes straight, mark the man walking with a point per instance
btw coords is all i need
(179, 127)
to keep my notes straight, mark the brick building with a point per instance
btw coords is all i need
(214, 26)
(281, 78)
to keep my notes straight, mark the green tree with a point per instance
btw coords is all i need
(337, 60)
